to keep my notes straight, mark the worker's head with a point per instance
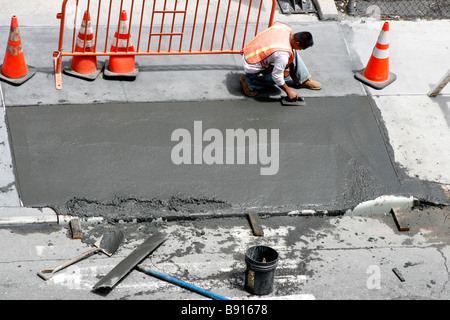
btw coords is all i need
(302, 40)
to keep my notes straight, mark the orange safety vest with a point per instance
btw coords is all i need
(275, 38)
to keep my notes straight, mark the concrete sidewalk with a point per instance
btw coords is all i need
(351, 256)
(417, 127)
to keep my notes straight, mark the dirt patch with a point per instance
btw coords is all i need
(431, 221)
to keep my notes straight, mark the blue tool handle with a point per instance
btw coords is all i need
(180, 283)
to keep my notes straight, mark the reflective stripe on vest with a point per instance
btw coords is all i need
(275, 38)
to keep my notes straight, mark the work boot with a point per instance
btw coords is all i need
(310, 84)
(246, 89)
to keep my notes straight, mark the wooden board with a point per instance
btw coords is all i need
(398, 274)
(256, 225)
(441, 84)
(75, 226)
(400, 219)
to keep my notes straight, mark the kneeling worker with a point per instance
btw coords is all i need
(272, 56)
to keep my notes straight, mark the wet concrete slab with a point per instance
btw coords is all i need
(107, 159)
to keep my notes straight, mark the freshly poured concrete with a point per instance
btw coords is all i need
(331, 156)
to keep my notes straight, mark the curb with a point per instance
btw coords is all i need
(23, 215)
(326, 9)
(65, 219)
(378, 206)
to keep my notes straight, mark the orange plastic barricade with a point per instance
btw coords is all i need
(128, 28)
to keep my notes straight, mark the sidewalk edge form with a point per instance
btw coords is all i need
(23, 215)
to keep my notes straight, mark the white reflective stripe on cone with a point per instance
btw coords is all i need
(123, 28)
(383, 38)
(380, 54)
(89, 29)
(122, 43)
(89, 43)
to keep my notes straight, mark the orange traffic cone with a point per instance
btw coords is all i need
(376, 74)
(14, 68)
(118, 65)
(85, 67)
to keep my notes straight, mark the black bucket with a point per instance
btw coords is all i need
(261, 264)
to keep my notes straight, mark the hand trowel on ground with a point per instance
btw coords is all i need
(129, 263)
(107, 243)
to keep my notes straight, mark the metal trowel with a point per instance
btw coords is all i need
(108, 282)
(107, 243)
(300, 101)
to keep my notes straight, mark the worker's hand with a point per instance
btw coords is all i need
(292, 95)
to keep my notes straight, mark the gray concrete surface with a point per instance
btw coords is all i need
(346, 257)
(125, 151)
(155, 82)
(337, 79)
(320, 258)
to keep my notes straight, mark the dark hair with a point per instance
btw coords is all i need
(304, 38)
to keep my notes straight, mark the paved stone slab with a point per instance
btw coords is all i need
(172, 78)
